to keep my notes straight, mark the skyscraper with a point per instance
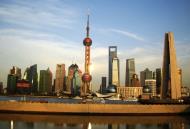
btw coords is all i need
(86, 78)
(130, 71)
(13, 77)
(45, 84)
(170, 79)
(74, 80)
(103, 85)
(32, 76)
(158, 80)
(112, 55)
(59, 78)
(115, 72)
(146, 74)
(152, 84)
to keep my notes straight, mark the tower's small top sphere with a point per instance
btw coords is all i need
(87, 41)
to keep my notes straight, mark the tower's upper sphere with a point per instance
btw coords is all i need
(86, 77)
(87, 41)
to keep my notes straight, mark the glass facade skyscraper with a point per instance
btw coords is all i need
(115, 72)
(146, 74)
(31, 75)
(13, 77)
(130, 71)
(45, 84)
(112, 55)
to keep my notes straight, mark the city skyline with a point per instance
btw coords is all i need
(57, 39)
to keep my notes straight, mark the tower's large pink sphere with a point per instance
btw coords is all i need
(86, 77)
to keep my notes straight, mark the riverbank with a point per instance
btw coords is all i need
(64, 108)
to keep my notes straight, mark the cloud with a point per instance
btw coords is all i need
(128, 34)
(34, 15)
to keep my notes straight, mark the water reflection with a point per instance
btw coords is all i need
(32, 121)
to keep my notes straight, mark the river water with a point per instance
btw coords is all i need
(35, 121)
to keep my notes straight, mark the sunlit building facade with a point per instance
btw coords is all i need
(59, 78)
(115, 72)
(152, 84)
(130, 71)
(112, 55)
(171, 87)
(126, 92)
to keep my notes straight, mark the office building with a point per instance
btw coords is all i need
(158, 80)
(170, 78)
(45, 84)
(31, 75)
(152, 84)
(1, 88)
(59, 78)
(130, 71)
(185, 92)
(115, 72)
(180, 77)
(135, 81)
(146, 74)
(13, 77)
(74, 80)
(16, 71)
(103, 85)
(112, 55)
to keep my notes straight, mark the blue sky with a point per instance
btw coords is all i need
(48, 32)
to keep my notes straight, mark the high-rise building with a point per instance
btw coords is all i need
(13, 77)
(170, 78)
(86, 78)
(16, 71)
(180, 77)
(74, 80)
(1, 87)
(135, 81)
(146, 74)
(158, 80)
(115, 72)
(152, 84)
(103, 85)
(112, 55)
(59, 78)
(31, 75)
(130, 71)
(45, 84)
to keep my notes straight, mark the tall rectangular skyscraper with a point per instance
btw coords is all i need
(115, 72)
(170, 79)
(158, 80)
(112, 54)
(59, 78)
(31, 74)
(130, 71)
(45, 84)
(144, 75)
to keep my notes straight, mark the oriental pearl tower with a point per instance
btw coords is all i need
(86, 77)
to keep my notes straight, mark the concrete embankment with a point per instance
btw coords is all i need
(28, 107)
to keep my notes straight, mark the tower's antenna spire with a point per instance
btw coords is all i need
(87, 27)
